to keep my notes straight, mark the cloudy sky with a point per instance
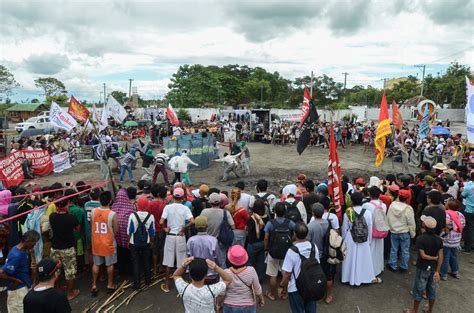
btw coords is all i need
(87, 43)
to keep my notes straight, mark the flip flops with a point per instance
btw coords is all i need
(164, 288)
(94, 292)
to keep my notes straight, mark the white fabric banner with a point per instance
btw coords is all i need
(61, 162)
(60, 118)
(470, 110)
(114, 109)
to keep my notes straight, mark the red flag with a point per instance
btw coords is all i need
(383, 130)
(78, 111)
(397, 119)
(334, 176)
(306, 107)
(171, 115)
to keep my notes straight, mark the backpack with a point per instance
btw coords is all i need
(140, 236)
(226, 235)
(292, 211)
(267, 205)
(335, 248)
(359, 229)
(380, 228)
(280, 239)
(311, 282)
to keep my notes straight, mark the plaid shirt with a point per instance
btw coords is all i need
(123, 207)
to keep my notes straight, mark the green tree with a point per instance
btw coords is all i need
(7, 81)
(51, 86)
(183, 115)
(34, 100)
(61, 99)
(120, 96)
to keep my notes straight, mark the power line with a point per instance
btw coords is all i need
(456, 53)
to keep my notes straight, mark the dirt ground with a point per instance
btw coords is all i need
(280, 165)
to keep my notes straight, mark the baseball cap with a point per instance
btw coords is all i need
(47, 267)
(404, 193)
(178, 193)
(214, 198)
(394, 188)
(360, 181)
(429, 221)
(200, 222)
(204, 189)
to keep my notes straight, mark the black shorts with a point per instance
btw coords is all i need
(328, 269)
(159, 243)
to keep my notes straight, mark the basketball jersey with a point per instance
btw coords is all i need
(103, 240)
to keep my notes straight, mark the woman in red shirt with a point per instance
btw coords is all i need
(240, 216)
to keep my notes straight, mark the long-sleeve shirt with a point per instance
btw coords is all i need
(230, 159)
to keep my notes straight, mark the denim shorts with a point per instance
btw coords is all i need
(424, 281)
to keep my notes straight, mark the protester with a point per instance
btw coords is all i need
(436, 210)
(244, 287)
(161, 159)
(141, 229)
(104, 247)
(43, 297)
(231, 162)
(197, 297)
(451, 235)
(256, 236)
(175, 215)
(468, 201)
(295, 209)
(17, 271)
(126, 164)
(240, 216)
(156, 207)
(268, 198)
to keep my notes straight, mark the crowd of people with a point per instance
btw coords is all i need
(230, 241)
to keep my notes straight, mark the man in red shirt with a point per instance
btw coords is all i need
(156, 207)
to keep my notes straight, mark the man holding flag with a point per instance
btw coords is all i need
(383, 129)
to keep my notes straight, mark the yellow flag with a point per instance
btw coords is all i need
(383, 129)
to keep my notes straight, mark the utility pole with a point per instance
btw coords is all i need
(105, 94)
(130, 88)
(100, 97)
(345, 82)
(422, 77)
(384, 82)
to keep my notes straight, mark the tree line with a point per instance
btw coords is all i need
(229, 85)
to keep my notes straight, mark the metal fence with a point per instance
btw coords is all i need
(200, 149)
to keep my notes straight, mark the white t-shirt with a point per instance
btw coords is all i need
(271, 199)
(292, 261)
(177, 131)
(199, 300)
(244, 201)
(332, 218)
(301, 208)
(176, 215)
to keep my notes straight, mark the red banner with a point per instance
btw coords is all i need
(11, 171)
(78, 111)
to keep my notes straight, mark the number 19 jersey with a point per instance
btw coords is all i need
(103, 241)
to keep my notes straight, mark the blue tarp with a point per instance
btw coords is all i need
(440, 131)
(200, 149)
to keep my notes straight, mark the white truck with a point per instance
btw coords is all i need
(37, 122)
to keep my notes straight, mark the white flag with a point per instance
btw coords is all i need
(115, 109)
(470, 110)
(60, 118)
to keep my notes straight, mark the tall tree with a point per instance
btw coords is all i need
(7, 81)
(51, 86)
(120, 96)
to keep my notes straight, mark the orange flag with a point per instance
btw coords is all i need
(383, 129)
(397, 119)
(78, 111)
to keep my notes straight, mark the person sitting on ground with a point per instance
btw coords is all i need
(44, 298)
(197, 297)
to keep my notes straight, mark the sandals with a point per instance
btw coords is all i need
(455, 275)
(164, 288)
(94, 292)
(377, 280)
(270, 297)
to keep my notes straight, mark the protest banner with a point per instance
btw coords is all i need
(61, 162)
(60, 118)
(78, 111)
(11, 171)
(40, 161)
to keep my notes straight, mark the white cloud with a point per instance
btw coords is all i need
(86, 43)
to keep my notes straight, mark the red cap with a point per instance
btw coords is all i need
(393, 188)
(404, 193)
(360, 181)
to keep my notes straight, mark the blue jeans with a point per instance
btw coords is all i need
(451, 259)
(222, 255)
(298, 305)
(256, 252)
(424, 281)
(239, 309)
(399, 242)
(124, 168)
(239, 237)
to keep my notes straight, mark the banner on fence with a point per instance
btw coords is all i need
(40, 161)
(11, 171)
(61, 162)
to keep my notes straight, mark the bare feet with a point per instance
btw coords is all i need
(74, 294)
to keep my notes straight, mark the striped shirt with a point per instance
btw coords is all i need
(452, 239)
(161, 159)
(239, 291)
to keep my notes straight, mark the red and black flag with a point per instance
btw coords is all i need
(309, 116)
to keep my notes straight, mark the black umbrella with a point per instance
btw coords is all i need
(31, 132)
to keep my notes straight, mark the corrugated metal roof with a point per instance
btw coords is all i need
(25, 107)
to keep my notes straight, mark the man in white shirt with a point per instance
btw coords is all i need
(269, 199)
(175, 215)
(244, 201)
(292, 264)
(231, 162)
(198, 297)
(177, 131)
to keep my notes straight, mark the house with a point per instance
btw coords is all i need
(23, 111)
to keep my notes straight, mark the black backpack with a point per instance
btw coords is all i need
(226, 234)
(280, 239)
(267, 205)
(292, 211)
(359, 229)
(140, 237)
(311, 281)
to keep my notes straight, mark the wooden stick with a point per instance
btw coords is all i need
(143, 310)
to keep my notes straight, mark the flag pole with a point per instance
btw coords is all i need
(114, 191)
